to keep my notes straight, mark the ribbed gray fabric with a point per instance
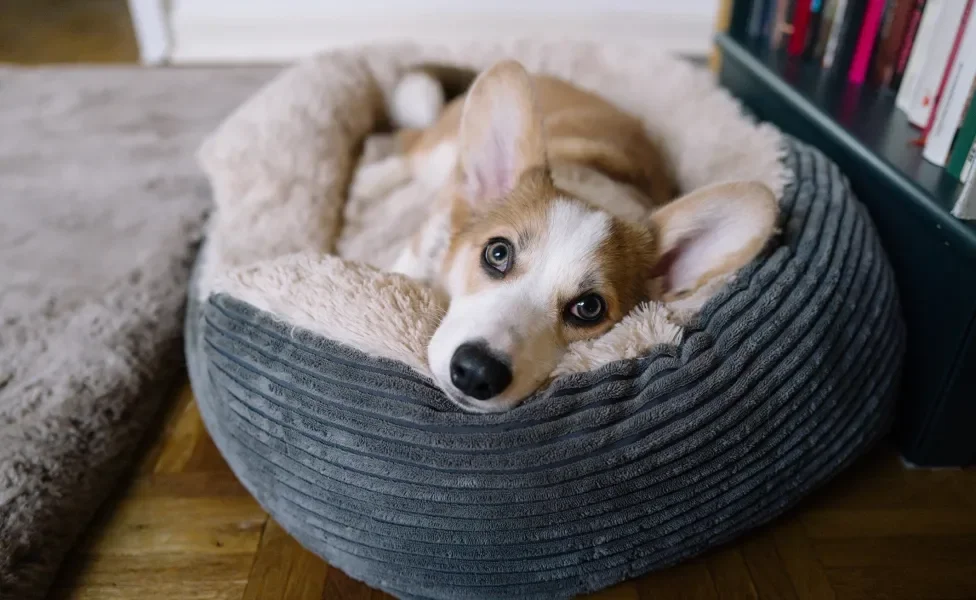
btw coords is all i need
(788, 375)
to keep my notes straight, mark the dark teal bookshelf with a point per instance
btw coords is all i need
(933, 253)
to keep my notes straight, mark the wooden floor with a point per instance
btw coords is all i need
(66, 31)
(182, 528)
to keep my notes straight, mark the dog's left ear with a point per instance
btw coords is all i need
(710, 233)
(501, 134)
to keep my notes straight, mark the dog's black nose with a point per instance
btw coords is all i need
(477, 373)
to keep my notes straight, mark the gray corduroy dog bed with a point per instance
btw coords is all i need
(785, 376)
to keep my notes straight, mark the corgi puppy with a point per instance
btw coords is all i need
(552, 218)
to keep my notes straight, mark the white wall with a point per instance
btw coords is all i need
(283, 30)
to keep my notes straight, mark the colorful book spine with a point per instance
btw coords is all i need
(755, 28)
(801, 20)
(849, 35)
(940, 92)
(769, 17)
(826, 24)
(931, 74)
(813, 28)
(907, 42)
(833, 39)
(865, 41)
(892, 34)
(965, 140)
(782, 24)
(919, 55)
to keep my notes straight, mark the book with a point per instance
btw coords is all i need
(813, 28)
(783, 25)
(769, 17)
(847, 24)
(932, 72)
(886, 13)
(954, 98)
(965, 207)
(865, 41)
(970, 165)
(801, 20)
(920, 54)
(892, 33)
(940, 93)
(826, 23)
(907, 42)
(755, 25)
(963, 145)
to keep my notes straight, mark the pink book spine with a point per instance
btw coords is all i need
(865, 41)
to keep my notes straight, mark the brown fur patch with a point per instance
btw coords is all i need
(623, 264)
(580, 128)
(519, 218)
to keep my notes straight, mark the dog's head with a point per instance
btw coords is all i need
(531, 269)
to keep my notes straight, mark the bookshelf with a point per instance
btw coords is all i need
(932, 252)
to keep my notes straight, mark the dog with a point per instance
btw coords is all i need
(553, 216)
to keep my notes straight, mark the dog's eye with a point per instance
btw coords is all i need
(587, 309)
(498, 255)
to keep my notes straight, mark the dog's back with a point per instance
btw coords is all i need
(583, 131)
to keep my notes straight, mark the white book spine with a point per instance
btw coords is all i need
(935, 64)
(967, 167)
(920, 52)
(965, 207)
(949, 113)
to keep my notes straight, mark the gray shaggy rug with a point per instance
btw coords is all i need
(101, 208)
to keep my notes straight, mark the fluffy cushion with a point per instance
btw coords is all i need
(310, 369)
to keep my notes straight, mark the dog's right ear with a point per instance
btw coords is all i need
(501, 134)
(711, 233)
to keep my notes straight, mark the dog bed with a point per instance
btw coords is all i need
(670, 434)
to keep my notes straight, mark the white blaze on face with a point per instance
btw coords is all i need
(519, 318)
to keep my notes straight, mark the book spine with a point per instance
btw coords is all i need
(865, 41)
(965, 206)
(849, 36)
(826, 24)
(968, 168)
(964, 142)
(908, 40)
(801, 19)
(920, 54)
(931, 74)
(783, 25)
(813, 29)
(754, 29)
(949, 115)
(833, 40)
(892, 35)
(957, 42)
(769, 17)
(886, 18)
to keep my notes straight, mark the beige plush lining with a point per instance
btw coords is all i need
(281, 164)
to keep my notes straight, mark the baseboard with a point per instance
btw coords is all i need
(150, 22)
(215, 39)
